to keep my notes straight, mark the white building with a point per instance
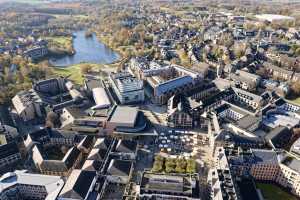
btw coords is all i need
(127, 88)
(101, 98)
(274, 18)
(220, 180)
(23, 185)
(289, 174)
(28, 105)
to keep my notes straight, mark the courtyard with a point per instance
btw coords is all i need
(273, 192)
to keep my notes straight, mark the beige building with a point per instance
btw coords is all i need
(179, 112)
(57, 152)
(28, 105)
(276, 166)
(220, 180)
(245, 80)
(61, 167)
(289, 173)
(266, 166)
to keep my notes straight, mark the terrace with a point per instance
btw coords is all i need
(55, 152)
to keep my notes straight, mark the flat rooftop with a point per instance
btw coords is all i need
(166, 183)
(52, 184)
(266, 156)
(124, 115)
(292, 163)
(271, 17)
(275, 120)
(296, 147)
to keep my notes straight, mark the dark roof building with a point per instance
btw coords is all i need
(179, 112)
(279, 136)
(126, 146)
(91, 165)
(169, 186)
(102, 143)
(9, 154)
(77, 185)
(119, 171)
(119, 168)
(126, 121)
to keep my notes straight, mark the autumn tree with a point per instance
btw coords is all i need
(86, 69)
(52, 119)
(180, 166)
(240, 50)
(295, 89)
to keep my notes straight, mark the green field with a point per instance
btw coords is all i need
(295, 101)
(58, 16)
(73, 72)
(273, 192)
(60, 41)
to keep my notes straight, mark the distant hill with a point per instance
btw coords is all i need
(25, 1)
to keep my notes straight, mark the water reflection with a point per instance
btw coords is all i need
(88, 49)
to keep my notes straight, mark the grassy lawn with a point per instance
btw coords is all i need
(61, 41)
(185, 61)
(73, 72)
(272, 192)
(70, 16)
(54, 153)
(295, 101)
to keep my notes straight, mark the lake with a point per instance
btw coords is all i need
(88, 50)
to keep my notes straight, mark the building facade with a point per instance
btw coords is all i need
(127, 88)
(23, 185)
(9, 155)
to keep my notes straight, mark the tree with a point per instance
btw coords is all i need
(175, 61)
(249, 25)
(85, 69)
(52, 119)
(124, 36)
(170, 165)
(297, 52)
(20, 77)
(64, 149)
(295, 89)
(158, 164)
(226, 39)
(262, 72)
(191, 166)
(239, 50)
(49, 124)
(157, 167)
(180, 166)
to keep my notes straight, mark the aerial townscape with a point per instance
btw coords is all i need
(149, 99)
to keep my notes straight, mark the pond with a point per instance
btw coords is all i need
(88, 50)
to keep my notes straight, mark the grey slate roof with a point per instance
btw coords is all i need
(8, 150)
(124, 114)
(119, 167)
(265, 156)
(127, 146)
(78, 184)
(248, 121)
